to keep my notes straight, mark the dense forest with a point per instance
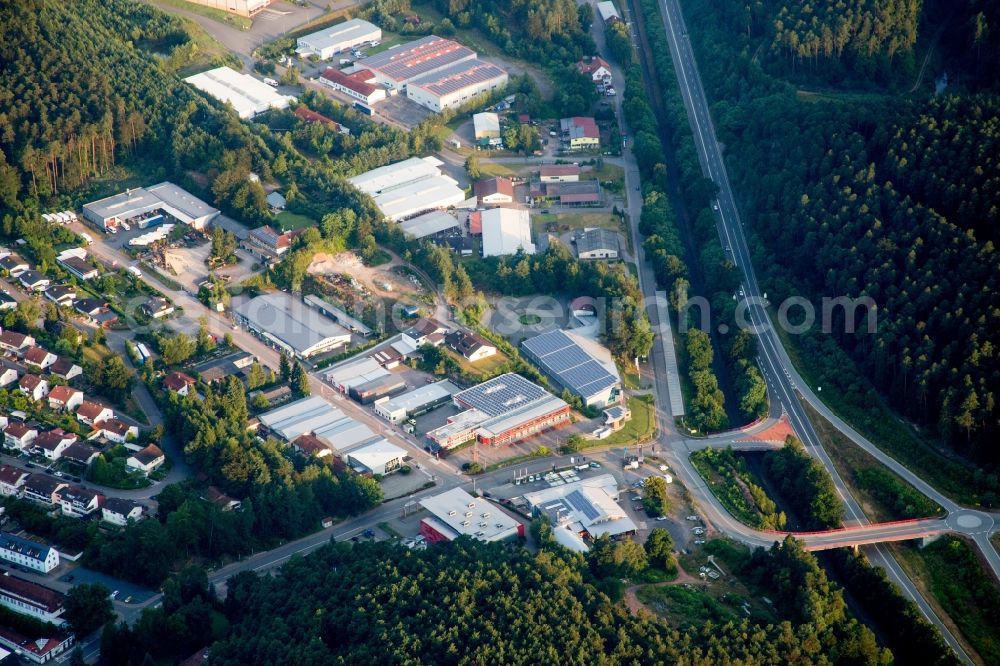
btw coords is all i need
(881, 195)
(468, 603)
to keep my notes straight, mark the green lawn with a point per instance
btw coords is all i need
(484, 368)
(387, 42)
(490, 169)
(639, 428)
(571, 221)
(241, 22)
(289, 221)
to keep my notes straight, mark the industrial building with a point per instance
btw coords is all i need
(248, 8)
(494, 192)
(596, 243)
(580, 365)
(376, 389)
(506, 231)
(361, 85)
(145, 206)
(486, 126)
(396, 67)
(502, 410)
(248, 95)
(23, 596)
(338, 315)
(414, 403)
(456, 513)
(455, 85)
(568, 193)
(28, 554)
(356, 372)
(608, 12)
(579, 132)
(559, 173)
(410, 187)
(585, 508)
(380, 457)
(326, 43)
(288, 324)
(429, 224)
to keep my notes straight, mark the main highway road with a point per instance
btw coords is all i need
(784, 381)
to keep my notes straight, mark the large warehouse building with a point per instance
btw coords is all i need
(249, 96)
(585, 508)
(146, 206)
(248, 8)
(396, 67)
(580, 365)
(414, 403)
(456, 513)
(410, 187)
(290, 325)
(456, 84)
(326, 43)
(502, 410)
(506, 231)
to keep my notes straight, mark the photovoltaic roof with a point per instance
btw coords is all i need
(501, 394)
(576, 368)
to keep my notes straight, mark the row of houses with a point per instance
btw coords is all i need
(73, 500)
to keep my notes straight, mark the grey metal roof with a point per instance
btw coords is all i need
(596, 239)
(576, 367)
(291, 321)
(458, 76)
(501, 394)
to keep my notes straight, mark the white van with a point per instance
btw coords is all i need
(134, 271)
(271, 82)
(87, 238)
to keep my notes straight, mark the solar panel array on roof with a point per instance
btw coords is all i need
(501, 394)
(563, 358)
(581, 504)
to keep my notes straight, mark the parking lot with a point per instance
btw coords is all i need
(127, 592)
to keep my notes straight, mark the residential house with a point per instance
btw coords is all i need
(33, 386)
(65, 368)
(117, 431)
(7, 302)
(221, 500)
(42, 488)
(27, 553)
(179, 383)
(470, 345)
(54, 442)
(272, 241)
(91, 412)
(276, 200)
(96, 311)
(311, 446)
(12, 480)
(425, 331)
(77, 501)
(216, 370)
(8, 376)
(61, 294)
(79, 267)
(34, 281)
(65, 398)
(14, 341)
(14, 265)
(39, 358)
(597, 69)
(119, 511)
(494, 192)
(156, 307)
(274, 396)
(146, 460)
(80, 453)
(18, 435)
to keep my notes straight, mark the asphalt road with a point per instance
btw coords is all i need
(775, 362)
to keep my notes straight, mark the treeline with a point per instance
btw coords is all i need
(731, 482)
(665, 248)
(834, 217)
(376, 601)
(914, 639)
(283, 495)
(805, 485)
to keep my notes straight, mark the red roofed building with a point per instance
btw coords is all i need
(23, 596)
(476, 223)
(311, 116)
(360, 85)
(65, 398)
(597, 69)
(36, 651)
(559, 173)
(495, 191)
(178, 383)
